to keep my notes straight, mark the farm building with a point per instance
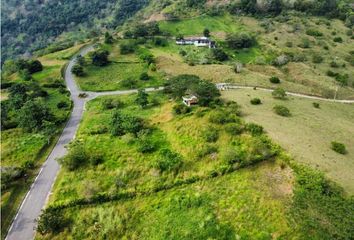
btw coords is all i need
(196, 41)
(190, 100)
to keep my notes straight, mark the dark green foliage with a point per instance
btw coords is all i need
(319, 207)
(223, 117)
(99, 57)
(32, 115)
(43, 21)
(305, 43)
(147, 146)
(168, 160)
(108, 39)
(95, 159)
(274, 80)
(338, 39)
(78, 70)
(182, 53)
(254, 129)
(206, 150)
(80, 60)
(206, 32)
(129, 83)
(338, 147)
(144, 76)
(316, 105)
(256, 101)
(234, 128)
(334, 64)
(143, 30)
(279, 93)
(314, 32)
(342, 79)
(25, 75)
(211, 134)
(181, 108)
(240, 40)
(331, 74)
(142, 98)
(34, 66)
(51, 221)
(122, 123)
(282, 110)
(147, 57)
(76, 157)
(195, 3)
(126, 48)
(219, 54)
(62, 104)
(159, 41)
(317, 58)
(205, 91)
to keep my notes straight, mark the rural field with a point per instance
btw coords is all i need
(308, 133)
(196, 195)
(26, 151)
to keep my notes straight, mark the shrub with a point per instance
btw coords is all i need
(305, 43)
(233, 128)
(124, 123)
(289, 44)
(232, 156)
(254, 129)
(338, 39)
(168, 160)
(314, 33)
(146, 146)
(331, 74)
(206, 150)
(334, 64)
(51, 220)
(99, 57)
(317, 58)
(126, 48)
(76, 157)
(109, 103)
(279, 93)
(222, 117)
(211, 134)
(182, 53)
(338, 147)
(78, 70)
(62, 104)
(281, 60)
(144, 76)
(159, 41)
(281, 110)
(95, 159)
(256, 101)
(129, 83)
(181, 109)
(219, 54)
(240, 40)
(316, 105)
(274, 80)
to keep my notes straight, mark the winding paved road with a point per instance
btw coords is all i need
(23, 226)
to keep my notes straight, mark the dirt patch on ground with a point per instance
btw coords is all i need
(156, 17)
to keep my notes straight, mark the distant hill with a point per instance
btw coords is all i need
(33, 24)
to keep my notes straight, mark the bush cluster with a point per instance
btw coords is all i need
(282, 110)
(338, 147)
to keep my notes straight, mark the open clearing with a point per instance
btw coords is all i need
(308, 133)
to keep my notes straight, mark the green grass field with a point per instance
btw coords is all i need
(265, 201)
(195, 26)
(120, 68)
(308, 133)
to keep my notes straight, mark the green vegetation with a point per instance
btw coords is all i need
(118, 71)
(185, 178)
(319, 127)
(256, 101)
(282, 110)
(279, 93)
(338, 147)
(31, 119)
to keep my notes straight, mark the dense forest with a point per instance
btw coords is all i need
(33, 24)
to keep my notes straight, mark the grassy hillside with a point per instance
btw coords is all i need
(22, 152)
(308, 133)
(200, 198)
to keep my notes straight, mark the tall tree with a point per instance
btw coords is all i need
(142, 98)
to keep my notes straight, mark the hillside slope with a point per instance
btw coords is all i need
(31, 25)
